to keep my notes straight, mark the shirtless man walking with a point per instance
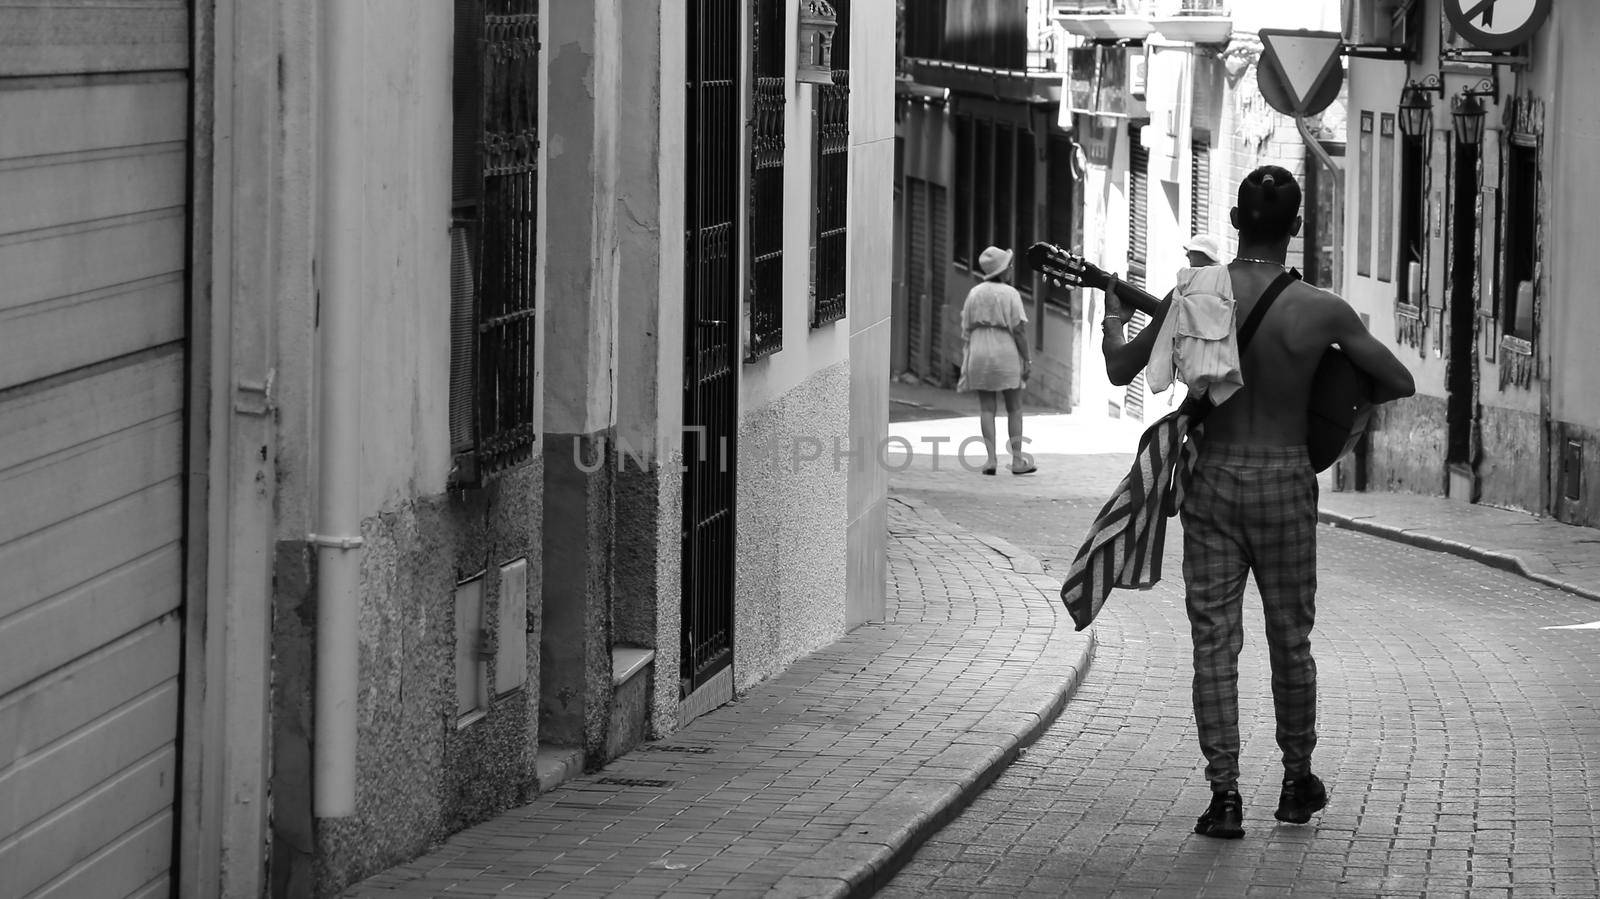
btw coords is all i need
(1252, 501)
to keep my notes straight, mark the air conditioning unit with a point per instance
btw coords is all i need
(1384, 29)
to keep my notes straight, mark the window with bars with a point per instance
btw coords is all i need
(994, 188)
(493, 241)
(713, 216)
(765, 287)
(831, 111)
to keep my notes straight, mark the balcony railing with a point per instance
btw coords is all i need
(1142, 7)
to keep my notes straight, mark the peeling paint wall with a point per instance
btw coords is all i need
(1517, 421)
(1407, 440)
(1509, 471)
(420, 775)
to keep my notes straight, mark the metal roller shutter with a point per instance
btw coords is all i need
(1200, 187)
(92, 424)
(938, 352)
(917, 278)
(1138, 256)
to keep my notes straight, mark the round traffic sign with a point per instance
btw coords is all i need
(1497, 24)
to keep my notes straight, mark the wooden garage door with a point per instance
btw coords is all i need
(94, 101)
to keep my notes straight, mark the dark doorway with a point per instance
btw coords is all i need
(1321, 195)
(711, 340)
(1460, 373)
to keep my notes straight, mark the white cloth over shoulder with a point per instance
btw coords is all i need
(1198, 343)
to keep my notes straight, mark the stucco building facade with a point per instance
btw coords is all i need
(1114, 140)
(1472, 261)
(509, 379)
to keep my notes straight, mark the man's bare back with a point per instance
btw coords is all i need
(1278, 365)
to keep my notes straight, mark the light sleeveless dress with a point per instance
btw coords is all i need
(990, 362)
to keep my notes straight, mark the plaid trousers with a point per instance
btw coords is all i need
(1252, 508)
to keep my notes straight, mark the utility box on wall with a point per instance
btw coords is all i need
(1572, 471)
(814, 61)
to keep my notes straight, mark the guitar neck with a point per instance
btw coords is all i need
(1138, 298)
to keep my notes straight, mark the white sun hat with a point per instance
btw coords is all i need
(993, 262)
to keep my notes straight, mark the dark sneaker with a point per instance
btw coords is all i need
(1224, 819)
(1300, 798)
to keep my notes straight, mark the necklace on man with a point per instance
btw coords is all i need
(1262, 261)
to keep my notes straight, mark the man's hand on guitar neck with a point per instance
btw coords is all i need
(1115, 308)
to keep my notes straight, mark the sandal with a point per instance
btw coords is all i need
(989, 470)
(1029, 470)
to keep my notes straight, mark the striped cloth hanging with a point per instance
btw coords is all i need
(1125, 543)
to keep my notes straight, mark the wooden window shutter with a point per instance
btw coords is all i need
(1200, 187)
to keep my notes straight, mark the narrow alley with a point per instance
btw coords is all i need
(1459, 731)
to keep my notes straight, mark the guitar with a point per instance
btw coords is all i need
(1340, 407)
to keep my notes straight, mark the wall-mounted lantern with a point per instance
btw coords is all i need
(1416, 111)
(1468, 116)
(815, 57)
(1467, 111)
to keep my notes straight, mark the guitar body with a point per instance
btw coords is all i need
(1340, 406)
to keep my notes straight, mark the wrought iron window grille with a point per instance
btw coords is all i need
(767, 104)
(832, 113)
(713, 217)
(494, 239)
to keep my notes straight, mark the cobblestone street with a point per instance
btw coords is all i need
(1459, 735)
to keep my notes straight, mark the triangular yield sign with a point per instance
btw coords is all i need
(1304, 58)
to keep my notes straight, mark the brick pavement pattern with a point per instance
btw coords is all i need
(1459, 739)
(1542, 549)
(818, 782)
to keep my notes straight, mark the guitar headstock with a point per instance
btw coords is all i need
(1065, 268)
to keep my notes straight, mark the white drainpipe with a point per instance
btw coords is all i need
(338, 536)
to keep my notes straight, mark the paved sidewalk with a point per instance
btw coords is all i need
(1555, 554)
(820, 782)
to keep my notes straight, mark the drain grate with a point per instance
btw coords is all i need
(633, 782)
(668, 747)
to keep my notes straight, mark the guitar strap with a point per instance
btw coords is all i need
(1199, 407)
(1268, 297)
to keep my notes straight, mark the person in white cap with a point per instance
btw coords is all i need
(996, 362)
(1203, 250)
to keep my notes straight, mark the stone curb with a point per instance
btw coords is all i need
(856, 841)
(867, 880)
(1507, 562)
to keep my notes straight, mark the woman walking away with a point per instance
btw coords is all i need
(996, 363)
